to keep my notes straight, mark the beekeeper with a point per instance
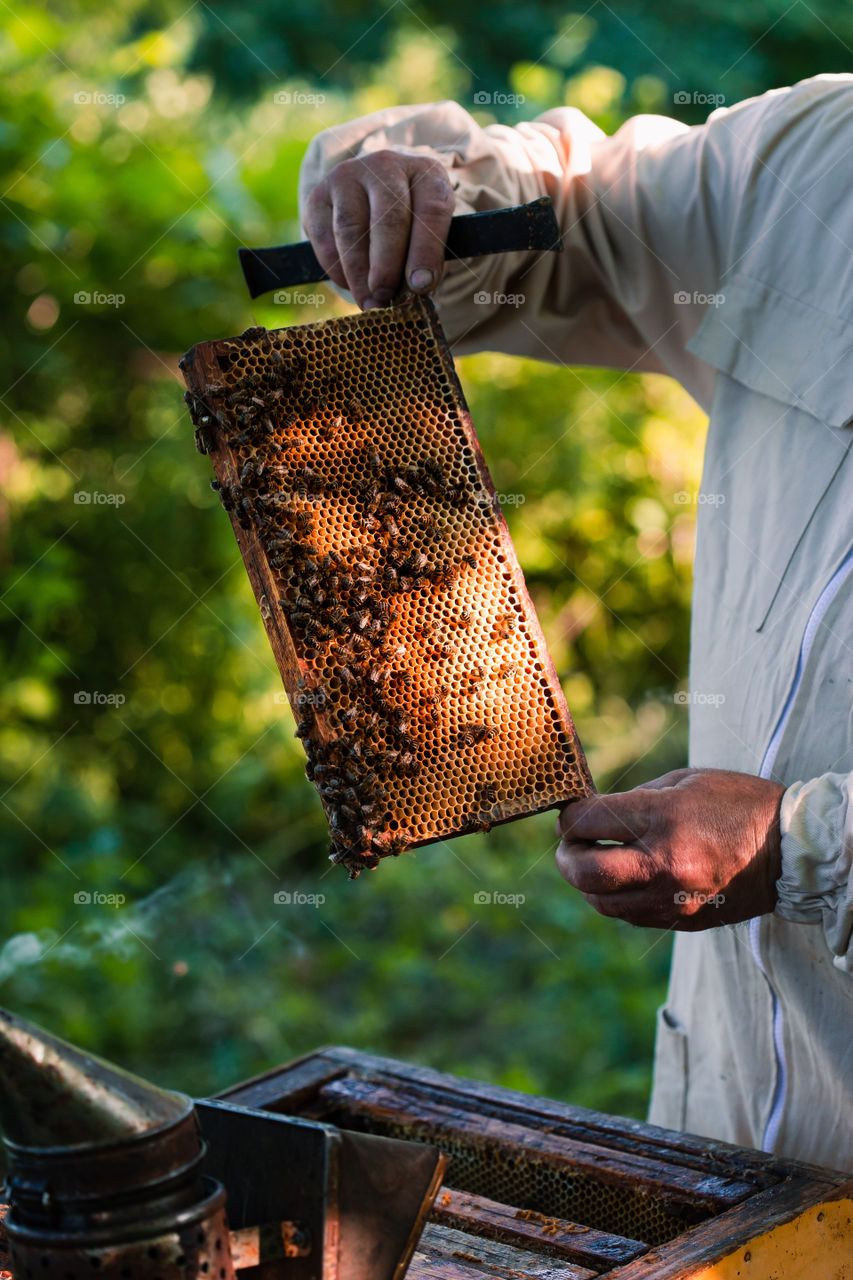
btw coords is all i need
(721, 254)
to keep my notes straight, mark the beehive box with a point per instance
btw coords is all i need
(423, 691)
(540, 1190)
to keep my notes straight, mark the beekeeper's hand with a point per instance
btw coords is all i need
(696, 848)
(379, 219)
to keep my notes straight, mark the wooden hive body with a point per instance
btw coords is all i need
(540, 1190)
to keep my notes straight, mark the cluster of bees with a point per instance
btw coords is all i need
(356, 737)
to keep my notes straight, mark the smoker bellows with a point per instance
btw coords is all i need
(393, 600)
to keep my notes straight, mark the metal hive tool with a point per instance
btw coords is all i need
(425, 698)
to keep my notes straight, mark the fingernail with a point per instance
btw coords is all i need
(369, 304)
(421, 279)
(382, 295)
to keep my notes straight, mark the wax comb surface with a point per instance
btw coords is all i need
(393, 600)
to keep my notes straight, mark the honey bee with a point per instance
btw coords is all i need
(465, 619)
(505, 624)
(471, 734)
(368, 491)
(371, 460)
(315, 630)
(434, 469)
(328, 430)
(487, 795)
(470, 560)
(354, 409)
(226, 496)
(508, 669)
(456, 495)
(204, 442)
(445, 575)
(428, 523)
(241, 438)
(281, 541)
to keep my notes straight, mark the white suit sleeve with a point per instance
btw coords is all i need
(816, 884)
(646, 218)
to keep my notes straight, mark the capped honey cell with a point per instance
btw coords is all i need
(424, 696)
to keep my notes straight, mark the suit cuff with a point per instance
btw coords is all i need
(816, 883)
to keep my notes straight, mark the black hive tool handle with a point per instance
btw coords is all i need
(524, 226)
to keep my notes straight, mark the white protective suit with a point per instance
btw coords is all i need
(723, 255)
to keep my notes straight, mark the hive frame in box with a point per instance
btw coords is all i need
(385, 574)
(646, 1203)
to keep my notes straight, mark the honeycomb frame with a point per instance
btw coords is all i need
(392, 597)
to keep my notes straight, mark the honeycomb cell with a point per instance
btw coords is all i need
(396, 608)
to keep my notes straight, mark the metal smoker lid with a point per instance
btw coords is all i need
(53, 1094)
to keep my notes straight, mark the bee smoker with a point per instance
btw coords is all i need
(110, 1174)
(104, 1170)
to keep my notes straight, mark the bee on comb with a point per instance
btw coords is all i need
(389, 580)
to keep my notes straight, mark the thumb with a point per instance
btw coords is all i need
(623, 816)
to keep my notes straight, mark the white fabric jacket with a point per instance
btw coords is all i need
(723, 255)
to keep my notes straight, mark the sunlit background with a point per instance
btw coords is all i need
(145, 754)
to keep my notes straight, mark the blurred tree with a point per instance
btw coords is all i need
(691, 48)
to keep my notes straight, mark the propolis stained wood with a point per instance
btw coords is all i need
(424, 694)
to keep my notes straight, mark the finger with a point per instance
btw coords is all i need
(644, 910)
(318, 225)
(670, 779)
(351, 226)
(623, 816)
(432, 203)
(390, 225)
(591, 868)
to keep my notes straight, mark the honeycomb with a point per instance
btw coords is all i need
(527, 1182)
(424, 695)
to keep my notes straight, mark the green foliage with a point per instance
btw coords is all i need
(178, 784)
(730, 47)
